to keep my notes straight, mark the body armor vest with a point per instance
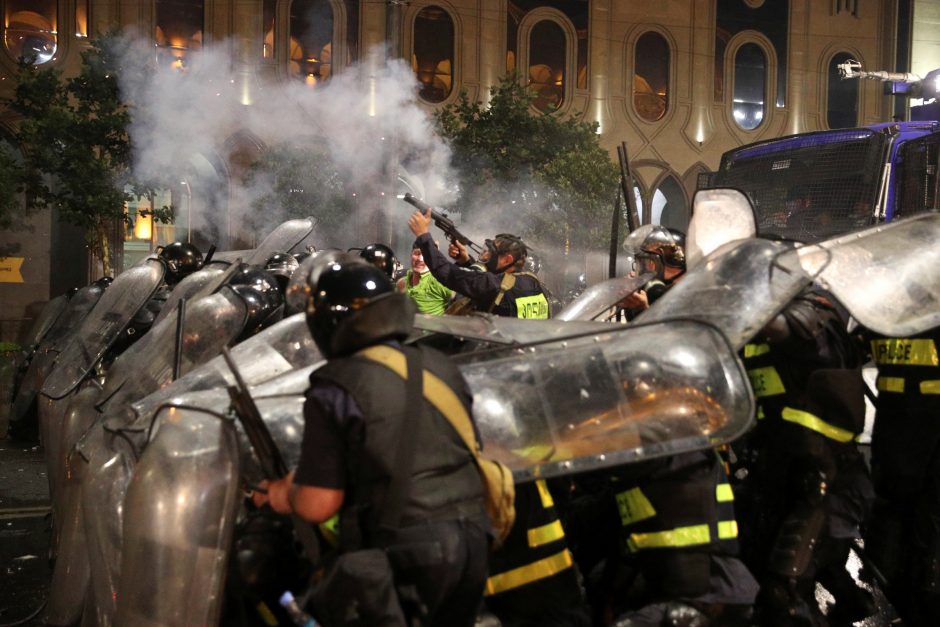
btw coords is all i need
(445, 483)
(908, 367)
(533, 570)
(813, 386)
(521, 296)
(689, 503)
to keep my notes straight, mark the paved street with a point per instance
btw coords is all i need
(24, 533)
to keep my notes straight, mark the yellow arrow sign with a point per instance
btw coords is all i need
(10, 269)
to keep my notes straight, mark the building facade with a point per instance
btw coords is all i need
(679, 81)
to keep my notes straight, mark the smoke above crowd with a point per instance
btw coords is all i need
(190, 122)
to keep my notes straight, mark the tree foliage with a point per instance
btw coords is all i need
(550, 170)
(77, 151)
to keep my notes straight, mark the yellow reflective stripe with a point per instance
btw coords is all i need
(330, 530)
(817, 424)
(266, 614)
(921, 352)
(760, 412)
(727, 529)
(435, 391)
(755, 350)
(681, 536)
(765, 381)
(930, 387)
(529, 573)
(544, 494)
(546, 534)
(532, 307)
(890, 384)
(536, 452)
(634, 506)
(724, 493)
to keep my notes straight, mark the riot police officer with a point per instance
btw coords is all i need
(503, 288)
(358, 455)
(661, 251)
(806, 482)
(904, 536)
(383, 258)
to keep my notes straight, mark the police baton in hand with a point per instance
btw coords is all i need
(443, 223)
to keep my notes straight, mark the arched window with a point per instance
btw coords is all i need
(178, 30)
(268, 17)
(81, 19)
(669, 206)
(311, 40)
(651, 76)
(548, 50)
(842, 108)
(30, 29)
(432, 56)
(750, 86)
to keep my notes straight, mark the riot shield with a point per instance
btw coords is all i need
(179, 521)
(598, 299)
(888, 277)
(43, 360)
(739, 289)
(627, 394)
(492, 329)
(719, 216)
(130, 291)
(47, 317)
(281, 239)
(209, 323)
(201, 283)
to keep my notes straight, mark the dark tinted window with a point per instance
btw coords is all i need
(433, 54)
(651, 77)
(842, 110)
(750, 86)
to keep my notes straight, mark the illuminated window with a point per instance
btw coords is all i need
(842, 108)
(547, 53)
(311, 40)
(268, 17)
(651, 77)
(31, 29)
(433, 56)
(750, 86)
(81, 19)
(178, 30)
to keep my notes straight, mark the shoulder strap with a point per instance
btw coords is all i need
(508, 282)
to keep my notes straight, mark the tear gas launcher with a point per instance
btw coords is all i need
(444, 223)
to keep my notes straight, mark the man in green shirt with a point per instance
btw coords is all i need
(420, 285)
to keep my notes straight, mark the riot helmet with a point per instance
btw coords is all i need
(532, 264)
(282, 266)
(298, 288)
(503, 244)
(655, 248)
(181, 259)
(262, 296)
(352, 305)
(383, 258)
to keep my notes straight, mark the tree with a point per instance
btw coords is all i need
(552, 169)
(77, 151)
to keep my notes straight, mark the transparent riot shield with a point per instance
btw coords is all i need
(179, 521)
(719, 216)
(598, 299)
(888, 277)
(128, 293)
(201, 283)
(47, 317)
(208, 324)
(281, 239)
(738, 289)
(43, 359)
(608, 398)
(492, 329)
(275, 350)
